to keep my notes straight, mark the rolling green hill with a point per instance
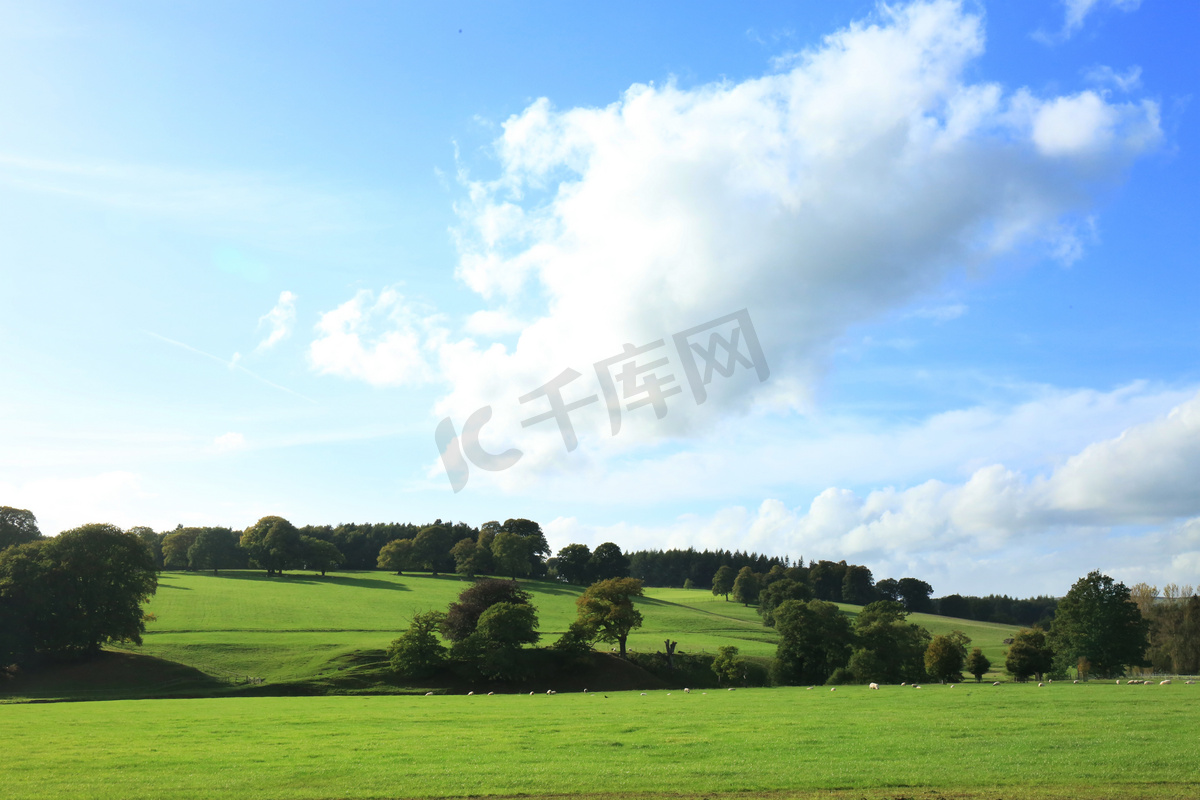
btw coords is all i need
(241, 628)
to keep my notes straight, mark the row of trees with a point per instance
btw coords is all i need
(492, 621)
(818, 581)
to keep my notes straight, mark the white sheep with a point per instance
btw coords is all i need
(470, 694)
(490, 694)
(996, 683)
(1040, 684)
(1076, 681)
(429, 694)
(904, 684)
(874, 685)
(687, 690)
(1189, 683)
(833, 688)
(1164, 683)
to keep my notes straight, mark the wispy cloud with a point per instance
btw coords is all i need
(278, 321)
(232, 364)
(1076, 11)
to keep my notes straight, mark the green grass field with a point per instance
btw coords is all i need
(1011, 741)
(241, 624)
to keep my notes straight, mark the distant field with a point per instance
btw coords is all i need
(242, 624)
(1011, 741)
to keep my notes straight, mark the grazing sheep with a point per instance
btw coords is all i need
(904, 684)
(952, 686)
(833, 688)
(429, 694)
(916, 686)
(1076, 681)
(687, 690)
(996, 683)
(643, 694)
(809, 689)
(1040, 684)
(731, 688)
(470, 694)
(490, 694)
(531, 694)
(874, 685)
(1164, 683)
(1189, 683)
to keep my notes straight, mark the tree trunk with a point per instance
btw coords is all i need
(621, 643)
(671, 653)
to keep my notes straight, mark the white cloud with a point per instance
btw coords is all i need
(1000, 526)
(848, 186)
(379, 341)
(491, 324)
(1125, 81)
(228, 442)
(278, 321)
(1078, 10)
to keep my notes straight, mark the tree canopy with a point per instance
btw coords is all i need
(606, 607)
(1098, 620)
(814, 640)
(17, 526)
(68, 595)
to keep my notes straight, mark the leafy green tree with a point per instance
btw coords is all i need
(577, 641)
(176, 545)
(777, 593)
(462, 617)
(606, 607)
(888, 589)
(272, 543)
(1029, 654)
(946, 655)
(212, 548)
(916, 595)
(508, 625)
(397, 555)
(727, 665)
(814, 640)
(826, 579)
(418, 653)
(858, 586)
(978, 664)
(536, 546)
(511, 554)
(17, 526)
(68, 595)
(888, 648)
(745, 586)
(723, 581)
(1098, 621)
(608, 562)
(954, 605)
(320, 555)
(466, 557)
(431, 549)
(573, 564)
(1185, 648)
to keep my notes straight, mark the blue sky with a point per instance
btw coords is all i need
(252, 254)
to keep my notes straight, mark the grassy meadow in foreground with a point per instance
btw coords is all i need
(299, 627)
(1010, 741)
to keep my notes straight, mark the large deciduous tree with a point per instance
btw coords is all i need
(431, 549)
(1029, 654)
(462, 617)
(814, 640)
(723, 581)
(608, 562)
(858, 586)
(69, 595)
(1099, 621)
(572, 564)
(945, 656)
(511, 554)
(915, 594)
(396, 556)
(606, 607)
(888, 648)
(273, 544)
(417, 653)
(745, 586)
(320, 555)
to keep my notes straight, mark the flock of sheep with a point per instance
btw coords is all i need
(1131, 681)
